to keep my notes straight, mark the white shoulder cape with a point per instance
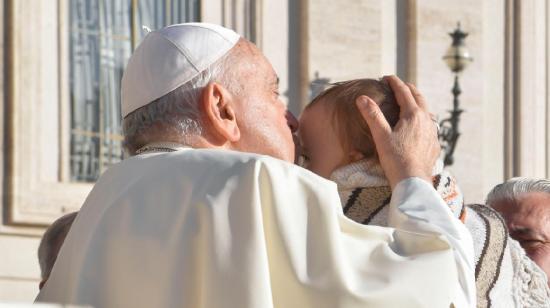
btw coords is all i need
(213, 228)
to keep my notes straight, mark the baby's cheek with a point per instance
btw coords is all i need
(323, 166)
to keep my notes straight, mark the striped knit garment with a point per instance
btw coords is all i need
(505, 276)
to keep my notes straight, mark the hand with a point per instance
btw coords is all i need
(411, 148)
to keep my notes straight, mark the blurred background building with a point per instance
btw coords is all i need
(62, 61)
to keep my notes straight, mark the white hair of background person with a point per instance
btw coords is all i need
(179, 109)
(515, 187)
(50, 245)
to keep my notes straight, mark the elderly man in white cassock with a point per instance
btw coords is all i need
(210, 211)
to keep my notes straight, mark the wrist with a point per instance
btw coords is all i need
(407, 174)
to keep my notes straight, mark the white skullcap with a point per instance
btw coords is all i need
(168, 58)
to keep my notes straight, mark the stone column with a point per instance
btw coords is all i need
(479, 154)
(527, 84)
(352, 39)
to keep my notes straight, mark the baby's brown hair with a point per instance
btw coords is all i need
(352, 129)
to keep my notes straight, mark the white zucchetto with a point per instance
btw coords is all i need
(168, 58)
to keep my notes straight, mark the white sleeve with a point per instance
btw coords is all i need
(417, 207)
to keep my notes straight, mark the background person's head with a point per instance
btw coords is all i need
(525, 206)
(332, 130)
(233, 104)
(51, 243)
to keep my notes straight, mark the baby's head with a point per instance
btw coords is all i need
(332, 131)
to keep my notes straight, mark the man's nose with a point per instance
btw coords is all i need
(292, 122)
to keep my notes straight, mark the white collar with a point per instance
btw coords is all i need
(156, 147)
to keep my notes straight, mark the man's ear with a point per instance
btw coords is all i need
(219, 112)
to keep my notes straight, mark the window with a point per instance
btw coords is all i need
(64, 64)
(102, 36)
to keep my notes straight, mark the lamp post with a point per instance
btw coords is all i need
(457, 58)
(317, 85)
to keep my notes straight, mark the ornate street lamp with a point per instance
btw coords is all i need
(457, 58)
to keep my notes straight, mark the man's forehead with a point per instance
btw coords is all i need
(533, 201)
(251, 50)
(527, 209)
(273, 77)
(262, 60)
(253, 55)
(266, 72)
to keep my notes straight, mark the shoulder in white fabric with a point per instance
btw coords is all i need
(168, 58)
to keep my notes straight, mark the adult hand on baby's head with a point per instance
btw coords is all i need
(411, 148)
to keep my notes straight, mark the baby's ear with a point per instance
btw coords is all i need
(355, 155)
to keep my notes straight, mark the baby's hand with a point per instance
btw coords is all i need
(411, 148)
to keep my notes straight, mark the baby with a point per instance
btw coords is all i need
(337, 144)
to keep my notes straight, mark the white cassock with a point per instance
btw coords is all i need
(214, 228)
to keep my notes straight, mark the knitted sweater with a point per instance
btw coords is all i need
(505, 276)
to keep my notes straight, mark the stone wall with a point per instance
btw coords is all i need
(353, 39)
(19, 270)
(479, 157)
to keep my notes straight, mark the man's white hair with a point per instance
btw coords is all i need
(51, 243)
(178, 111)
(515, 187)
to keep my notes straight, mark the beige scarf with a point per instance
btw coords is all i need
(505, 276)
(365, 192)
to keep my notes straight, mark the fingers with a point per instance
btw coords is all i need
(403, 95)
(379, 127)
(418, 97)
